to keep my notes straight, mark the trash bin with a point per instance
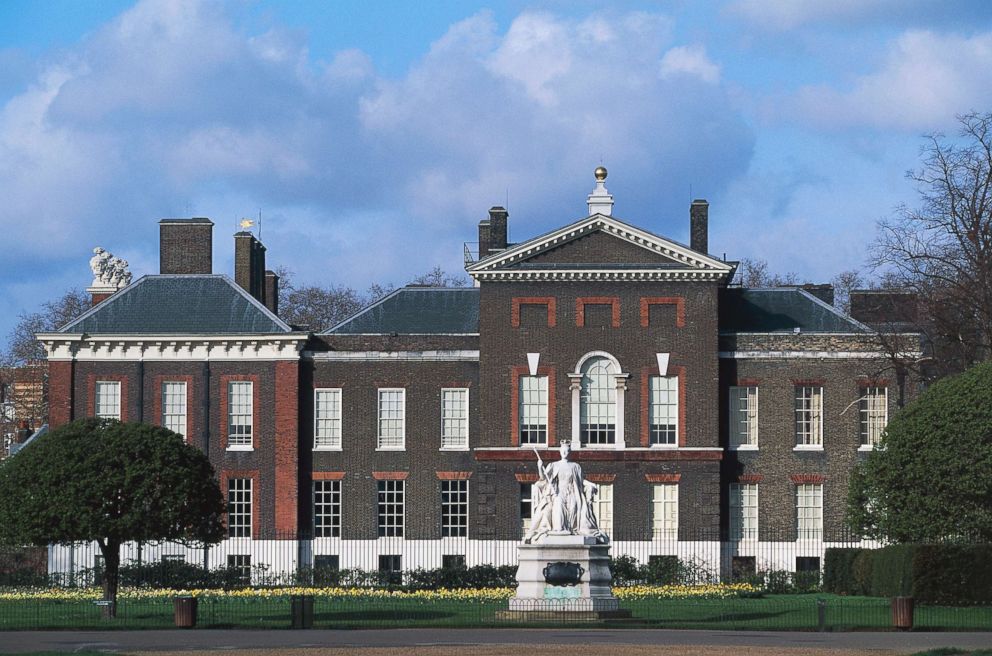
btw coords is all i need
(302, 611)
(902, 613)
(185, 611)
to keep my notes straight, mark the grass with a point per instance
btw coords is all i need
(773, 612)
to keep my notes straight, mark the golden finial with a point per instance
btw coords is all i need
(600, 173)
(246, 223)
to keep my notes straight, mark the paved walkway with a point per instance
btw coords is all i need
(202, 639)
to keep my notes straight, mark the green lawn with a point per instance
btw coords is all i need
(774, 612)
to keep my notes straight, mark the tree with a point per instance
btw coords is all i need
(22, 346)
(110, 482)
(438, 277)
(928, 480)
(942, 250)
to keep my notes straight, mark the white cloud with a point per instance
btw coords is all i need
(691, 61)
(925, 80)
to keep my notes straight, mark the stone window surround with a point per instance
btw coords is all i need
(575, 387)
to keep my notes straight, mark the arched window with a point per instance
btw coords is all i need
(598, 401)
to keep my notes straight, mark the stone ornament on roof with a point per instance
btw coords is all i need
(109, 272)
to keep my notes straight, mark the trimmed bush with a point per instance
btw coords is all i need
(838, 571)
(892, 571)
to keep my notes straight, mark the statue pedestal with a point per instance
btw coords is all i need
(563, 577)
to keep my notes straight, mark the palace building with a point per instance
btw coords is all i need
(714, 418)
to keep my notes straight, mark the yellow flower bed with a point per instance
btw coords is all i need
(718, 591)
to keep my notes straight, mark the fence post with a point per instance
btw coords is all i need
(821, 614)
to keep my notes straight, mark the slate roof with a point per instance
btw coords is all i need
(179, 304)
(417, 311)
(781, 310)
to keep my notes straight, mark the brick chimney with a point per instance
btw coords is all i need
(883, 308)
(272, 292)
(186, 245)
(497, 228)
(699, 213)
(249, 264)
(824, 292)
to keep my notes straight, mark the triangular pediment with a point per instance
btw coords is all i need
(599, 246)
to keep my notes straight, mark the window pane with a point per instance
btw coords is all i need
(239, 413)
(598, 402)
(390, 505)
(239, 507)
(809, 511)
(743, 511)
(327, 418)
(744, 416)
(174, 407)
(454, 418)
(327, 509)
(107, 404)
(526, 505)
(665, 516)
(663, 408)
(533, 410)
(809, 415)
(392, 416)
(604, 508)
(454, 508)
(873, 411)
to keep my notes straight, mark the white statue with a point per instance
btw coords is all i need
(562, 501)
(98, 263)
(109, 271)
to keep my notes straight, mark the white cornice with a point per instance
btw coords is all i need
(393, 356)
(812, 355)
(281, 346)
(598, 274)
(659, 245)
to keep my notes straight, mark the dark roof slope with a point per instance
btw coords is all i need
(780, 310)
(179, 304)
(417, 311)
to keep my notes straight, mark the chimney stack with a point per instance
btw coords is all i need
(249, 264)
(484, 239)
(824, 292)
(497, 228)
(186, 246)
(272, 292)
(699, 213)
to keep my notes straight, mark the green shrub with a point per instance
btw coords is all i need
(892, 571)
(626, 571)
(952, 573)
(862, 572)
(838, 571)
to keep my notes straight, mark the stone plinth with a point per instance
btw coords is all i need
(591, 598)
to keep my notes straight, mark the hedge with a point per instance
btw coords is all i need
(931, 573)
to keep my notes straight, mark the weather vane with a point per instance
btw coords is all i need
(246, 224)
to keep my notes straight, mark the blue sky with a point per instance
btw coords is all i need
(374, 136)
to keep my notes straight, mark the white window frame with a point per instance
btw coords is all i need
(809, 410)
(452, 509)
(241, 441)
(873, 415)
(240, 508)
(809, 511)
(540, 407)
(743, 507)
(401, 445)
(391, 524)
(665, 511)
(452, 441)
(655, 406)
(171, 418)
(333, 422)
(327, 504)
(526, 499)
(591, 400)
(743, 417)
(103, 392)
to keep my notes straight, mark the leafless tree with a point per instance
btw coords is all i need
(942, 249)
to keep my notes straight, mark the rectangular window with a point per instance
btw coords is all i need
(454, 508)
(663, 392)
(240, 409)
(809, 511)
(240, 565)
(453, 561)
(533, 410)
(665, 516)
(392, 418)
(809, 415)
(743, 416)
(526, 504)
(174, 407)
(239, 507)
(327, 419)
(391, 569)
(327, 509)
(107, 404)
(454, 418)
(874, 413)
(743, 511)
(391, 503)
(604, 509)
